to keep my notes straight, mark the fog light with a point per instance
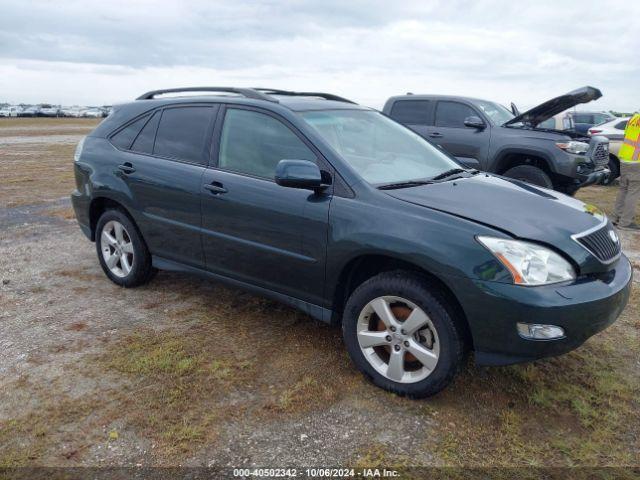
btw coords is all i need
(536, 331)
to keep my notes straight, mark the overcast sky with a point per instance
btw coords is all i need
(107, 52)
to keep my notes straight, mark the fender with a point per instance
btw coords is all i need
(519, 150)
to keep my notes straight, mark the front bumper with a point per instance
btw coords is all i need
(582, 309)
(593, 178)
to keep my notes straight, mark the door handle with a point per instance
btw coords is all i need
(435, 135)
(216, 188)
(127, 168)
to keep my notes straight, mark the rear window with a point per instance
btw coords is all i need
(124, 138)
(411, 112)
(621, 125)
(182, 134)
(144, 141)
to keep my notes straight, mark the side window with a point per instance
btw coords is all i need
(254, 143)
(182, 133)
(621, 125)
(410, 112)
(583, 118)
(144, 141)
(124, 138)
(452, 114)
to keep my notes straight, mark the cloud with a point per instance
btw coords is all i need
(101, 52)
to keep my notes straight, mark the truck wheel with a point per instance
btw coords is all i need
(122, 253)
(401, 335)
(530, 174)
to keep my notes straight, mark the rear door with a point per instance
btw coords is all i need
(469, 145)
(163, 169)
(254, 230)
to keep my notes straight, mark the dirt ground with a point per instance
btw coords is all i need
(187, 372)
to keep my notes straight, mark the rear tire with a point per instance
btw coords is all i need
(417, 350)
(122, 253)
(530, 174)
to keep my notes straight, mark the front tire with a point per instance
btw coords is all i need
(401, 334)
(530, 174)
(122, 253)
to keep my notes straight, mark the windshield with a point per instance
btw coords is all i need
(496, 112)
(379, 149)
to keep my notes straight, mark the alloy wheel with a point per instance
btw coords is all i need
(398, 339)
(117, 248)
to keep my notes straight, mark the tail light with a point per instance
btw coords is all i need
(593, 131)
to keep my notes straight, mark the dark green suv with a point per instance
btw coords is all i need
(351, 217)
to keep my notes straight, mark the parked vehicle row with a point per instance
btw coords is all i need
(359, 221)
(46, 110)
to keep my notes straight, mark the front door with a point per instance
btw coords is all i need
(254, 230)
(469, 145)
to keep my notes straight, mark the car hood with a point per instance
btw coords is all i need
(522, 210)
(548, 109)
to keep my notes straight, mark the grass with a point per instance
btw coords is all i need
(220, 359)
(216, 366)
(38, 171)
(177, 386)
(602, 197)
(567, 411)
(30, 440)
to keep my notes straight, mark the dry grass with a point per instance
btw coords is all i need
(38, 171)
(578, 409)
(226, 359)
(221, 358)
(603, 197)
(28, 127)
(64, 426)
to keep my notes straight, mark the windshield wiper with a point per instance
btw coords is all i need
(412, 183)
(450, 173)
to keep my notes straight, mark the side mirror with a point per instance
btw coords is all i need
(474, 122)
(298, 174)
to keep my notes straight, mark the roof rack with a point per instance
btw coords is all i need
(326, 96)
(246, 92)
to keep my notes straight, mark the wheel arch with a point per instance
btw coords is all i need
(359, 269)
(513, 157)
(101, 204)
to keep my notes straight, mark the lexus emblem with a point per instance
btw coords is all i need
(613, 236)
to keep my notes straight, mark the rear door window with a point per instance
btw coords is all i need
(182, 133)
(124, 138)
(411, 112)
(452, 114)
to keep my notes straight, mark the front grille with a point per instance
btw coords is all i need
(600, 243)
(599, 152)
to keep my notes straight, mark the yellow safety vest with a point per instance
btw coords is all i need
(630, 149)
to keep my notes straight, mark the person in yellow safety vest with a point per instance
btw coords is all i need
(629, 193)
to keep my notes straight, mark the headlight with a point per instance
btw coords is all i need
(578, 148)
(529, 263)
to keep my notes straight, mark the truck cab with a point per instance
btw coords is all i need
(485, 135)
